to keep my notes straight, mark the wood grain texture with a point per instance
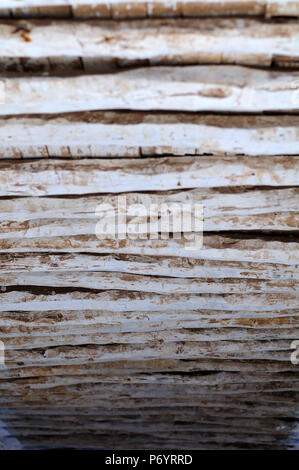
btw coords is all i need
(223, 209)
(216, 416)
(125, 8)
(215, 247)
(145, 344)
(169, 267)
(206, 88)
(140, 134)
(163, 42)
(55, 177)
(142, 283)
(115, 300)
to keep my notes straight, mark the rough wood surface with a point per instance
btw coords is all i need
(198, 88)
(167, 41)
(141, 8)
(56, 177)
(215, 247)
(217, 415)
(169, 267)
(140, 134)
(144, 344)
(119, 301)
(223, 209)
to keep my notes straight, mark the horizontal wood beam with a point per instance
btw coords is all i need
(197, 88)
(137, 134)
(56, 177)
(142, 8)
(120, 301)
(177, 267)
(141, 283)
(251, 350)
(255, 209)
(157, 42)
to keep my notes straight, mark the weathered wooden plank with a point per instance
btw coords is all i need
(147, 367)
(56, 177)
(193, 439)
(144, 344)
(134, 441)
(168, 367)
(126, 426)
(62, 321)
(137, 133)
(142, 8)
(139, 283)
(35, 217)
(47, 340)
(179, 267)
(19, 328)
(101, 391)
(20, 337)
(77, 354)
(243, 418)
(206, 418)
(243, 415)
(204, 415)
(167, 41)
(266, 402)
(217, 380)
(166, 335)
(215, 247)
(205, 426)
(120, 301)
(217, 201)
(73, 227)
(197, 88)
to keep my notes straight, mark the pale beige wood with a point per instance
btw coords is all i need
(168, 41)
(56, 177)
(215, 247)
(120, 301)
(142, 8)
(144, 344)
(197, 88)
(172, 267)
(125, 368)
(270, 209)
(139, 283)
(48, 339)
(139, 134)
(225, 379)
(248, 350)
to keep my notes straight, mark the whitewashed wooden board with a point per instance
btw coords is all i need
(197, 88)
(56, 177)
(143, 344)
(215, 247)
(264, 209)
(170, 267)
(137, 134)
(167, 41)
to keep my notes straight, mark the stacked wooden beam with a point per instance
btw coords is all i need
(119, 9)
(142, 343)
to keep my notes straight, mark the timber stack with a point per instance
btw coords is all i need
(141, 343)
